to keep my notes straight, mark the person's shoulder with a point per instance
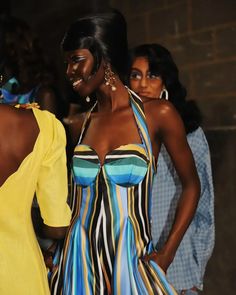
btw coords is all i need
(14, 114)
(17, 123)
(21, 115)
(8, 115)
(159, 106)
(4, 108)
(161, 111)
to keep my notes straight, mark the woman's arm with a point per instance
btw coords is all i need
(169, 127)
(43, 230)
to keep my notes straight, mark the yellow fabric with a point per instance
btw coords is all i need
(22, 269)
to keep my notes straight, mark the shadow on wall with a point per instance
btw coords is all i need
(221, 270)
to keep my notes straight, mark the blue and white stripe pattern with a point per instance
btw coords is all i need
(110, 230)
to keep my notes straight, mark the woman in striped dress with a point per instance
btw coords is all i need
(108, 248)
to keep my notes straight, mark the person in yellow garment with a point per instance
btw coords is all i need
(33, 159)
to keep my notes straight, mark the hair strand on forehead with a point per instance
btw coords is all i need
(104, 35)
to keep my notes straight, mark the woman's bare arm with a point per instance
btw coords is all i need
(169, 127)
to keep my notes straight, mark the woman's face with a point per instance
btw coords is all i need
(142, 81)
(80, 63)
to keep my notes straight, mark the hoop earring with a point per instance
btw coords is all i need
(164, 94)
(109, 77)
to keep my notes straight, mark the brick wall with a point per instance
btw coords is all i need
(201, 34)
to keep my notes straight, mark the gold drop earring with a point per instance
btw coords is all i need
(109, 77)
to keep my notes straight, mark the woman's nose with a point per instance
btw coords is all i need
(69, 70)
(143, 82)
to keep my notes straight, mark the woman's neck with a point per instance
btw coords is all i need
(111, 101)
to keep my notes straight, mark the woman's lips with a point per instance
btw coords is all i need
(77, 82)
(146, 94)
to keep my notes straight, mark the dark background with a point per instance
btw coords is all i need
(201, 34)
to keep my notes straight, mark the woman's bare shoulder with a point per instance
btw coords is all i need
(17, 123)
(162, 117)
(159, 108)
(11, 115)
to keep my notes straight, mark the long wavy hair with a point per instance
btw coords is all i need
(162, 64)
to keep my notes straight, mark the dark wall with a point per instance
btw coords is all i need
(221, 270)
(201, 36)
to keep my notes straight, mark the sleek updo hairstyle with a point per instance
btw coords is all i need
(104, 35)
(162, 64)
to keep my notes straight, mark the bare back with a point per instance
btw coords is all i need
(18, 133)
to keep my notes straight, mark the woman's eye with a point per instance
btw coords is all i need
(153, 76)
(77, 59)
(135, 75)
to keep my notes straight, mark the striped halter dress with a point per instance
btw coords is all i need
(110, 229)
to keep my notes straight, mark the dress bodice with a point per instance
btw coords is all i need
(124, 166)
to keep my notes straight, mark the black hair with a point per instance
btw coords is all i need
(21, 54)
(104, 35)
(162, 64)
(22, 57)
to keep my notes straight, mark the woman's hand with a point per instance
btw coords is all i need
(161, 258)
(48, 260)
(48, 256)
